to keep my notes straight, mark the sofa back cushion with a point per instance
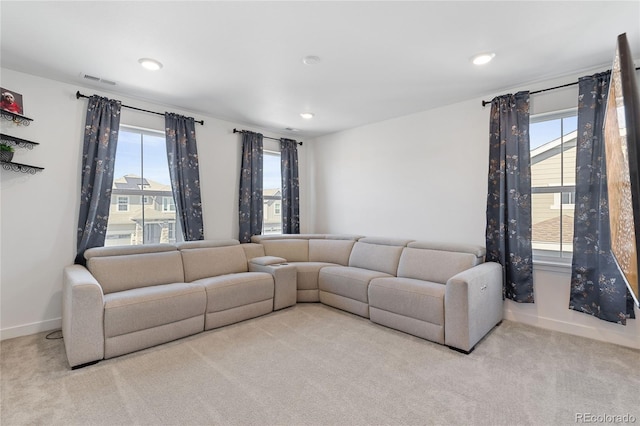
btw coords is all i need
(119, 272)
(252, 250)
(330, 251)
(437, 262)
(206, 243)
(294, 250)
(213, 261)
(377, 254)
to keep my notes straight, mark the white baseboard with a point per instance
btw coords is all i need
(576, 329)
(33, 328)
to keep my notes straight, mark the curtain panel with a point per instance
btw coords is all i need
(182, 156)
(597, 287)
(251, 198)
(508, 232)
(290, 186)
(98, 157)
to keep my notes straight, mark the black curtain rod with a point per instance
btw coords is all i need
(484, 103)
(80, 95)
(266, 137)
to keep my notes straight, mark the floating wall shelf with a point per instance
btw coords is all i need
(21, 143)
(12, 140)
(18, 167)
(20, 120)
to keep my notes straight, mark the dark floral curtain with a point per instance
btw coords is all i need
(251, 199)
(508, 233)
(597, 288)
(290, 186)
(182, 155)
(98, 158)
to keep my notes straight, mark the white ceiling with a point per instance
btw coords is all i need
(242, 61)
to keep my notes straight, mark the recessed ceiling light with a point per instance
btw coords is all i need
(310, 60)
(150, 64)
(483, 58)
(291, 129)
(306, 115)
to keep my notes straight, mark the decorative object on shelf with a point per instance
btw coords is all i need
(11, 107)
(7, 148)
(6, 152)
(11, 101)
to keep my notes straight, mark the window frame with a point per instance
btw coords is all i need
(122, 201)
(560, 257)
(276, 199)
(146, 196)
(168, 204)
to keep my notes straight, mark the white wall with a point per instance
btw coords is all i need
(39, 212)
(421, 176)
(424, 176)
(405, 177)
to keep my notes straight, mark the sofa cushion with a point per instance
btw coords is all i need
(330, 251)
(409, 297)
(347, 281)
(126, 272)
(476, 250)
(377, 255)
(252, 250)
(147, 307)
(434, 265)
(206, 243)
(213, 261)
(126, 250)
(230, 291)
(294, 250)
(307, 274)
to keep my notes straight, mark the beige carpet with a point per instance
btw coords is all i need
(313, 365)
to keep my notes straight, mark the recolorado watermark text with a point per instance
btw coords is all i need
(605, 418)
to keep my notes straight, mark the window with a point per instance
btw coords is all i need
(123, 203)
(168, 205)
(553, 169)
(271, 193)
(142, 209)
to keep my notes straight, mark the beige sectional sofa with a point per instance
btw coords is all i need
(445, 293)
(133, 297)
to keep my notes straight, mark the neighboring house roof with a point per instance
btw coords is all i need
(547, 230)
(552, 148)
(271, 193)
(135, 215)
(151, 214)
(135, 182)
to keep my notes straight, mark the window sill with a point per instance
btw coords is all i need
(552, 266)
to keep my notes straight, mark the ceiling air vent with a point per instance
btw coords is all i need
(99, 80)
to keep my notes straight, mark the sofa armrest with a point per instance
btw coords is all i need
(82, 316)
(267, 260)
(285, 280)
(473, 305)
